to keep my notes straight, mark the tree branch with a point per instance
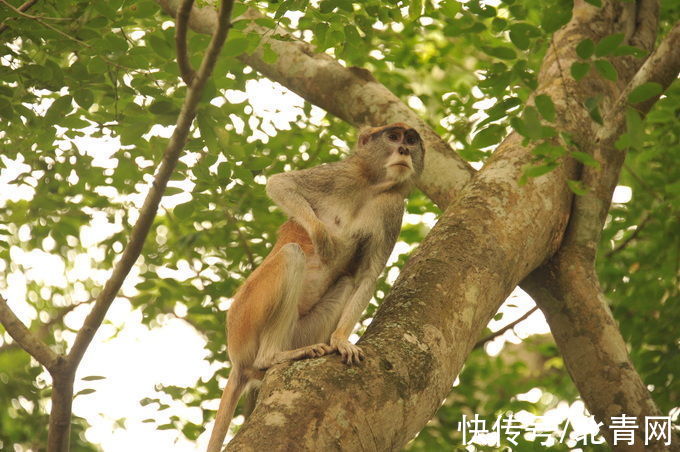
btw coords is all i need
(621, 246)
(25, 338)
(22, 8)
(63, 375)
(351, 94)
(43, 331)
(567, 288)
(150, 206)
(502, 331)
(181, 24)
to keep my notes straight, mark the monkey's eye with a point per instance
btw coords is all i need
(411, 140)
(393, 136)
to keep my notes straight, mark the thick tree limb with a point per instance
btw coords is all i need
(352, 94)
(25, 338)
(568, 291)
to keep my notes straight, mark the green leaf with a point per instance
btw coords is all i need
(268, 55)
(585, 48)
(577, 187)
(160, 46)
(606, 70)
(502, 52)
(162, 107)
(547, 150)
(532, 122)
(84, 392)
(236, 46)
(625, 50)
(184, 210)
(415, 9)
(499, 24)
(644, 92)
(450, 7)
(521, 34)
(519, 126)
(592, 104)
(586, 159)
(83, 97)
(555, 14)
(536, 171)
(579, 70)
(93, 378)
(635, 128)
(169, 191)
(545, 106)
(608, 44)
(58, 109)
(488, 136)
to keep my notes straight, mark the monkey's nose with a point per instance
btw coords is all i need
(403, 151)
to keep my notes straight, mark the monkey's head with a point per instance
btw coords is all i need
(393, 152)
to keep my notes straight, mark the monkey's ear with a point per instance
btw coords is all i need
(367, 133)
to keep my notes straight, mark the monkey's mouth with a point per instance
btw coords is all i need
(402, 164)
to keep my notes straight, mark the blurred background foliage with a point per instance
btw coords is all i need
(88, 88)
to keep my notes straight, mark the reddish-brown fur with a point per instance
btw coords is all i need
(258, 287)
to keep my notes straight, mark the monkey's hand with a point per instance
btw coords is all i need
(325, 244)
(350, 353)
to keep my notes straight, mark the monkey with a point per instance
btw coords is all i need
(305, 298)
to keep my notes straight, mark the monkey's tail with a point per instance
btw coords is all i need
(232, 391)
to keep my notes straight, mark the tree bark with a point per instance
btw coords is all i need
(567, 288)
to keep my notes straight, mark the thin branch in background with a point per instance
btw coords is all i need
(242, 239)
(28, 340)
(181, 26)
(507, 327)
(63, 368)
(43, 331)
(45, 24)
(655, 194)
(24, 7)
(641, 224)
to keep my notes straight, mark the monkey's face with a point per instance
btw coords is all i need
(395, 150)
(402, 152)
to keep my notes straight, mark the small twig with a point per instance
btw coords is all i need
(42, 332)
(631, 237)
(649, 189)
(25, 337)
(25, 6)
(507, 327)
(45, 24)
(242, 239)
(181, 27)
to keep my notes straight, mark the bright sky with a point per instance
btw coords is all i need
(138, 358)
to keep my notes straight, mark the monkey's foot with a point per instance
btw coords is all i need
(310, 351)
(350, 353)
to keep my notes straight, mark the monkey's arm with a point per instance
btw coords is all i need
(297, 193)
(367, 273)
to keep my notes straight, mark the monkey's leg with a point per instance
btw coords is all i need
(317, 325)
(276, 337)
